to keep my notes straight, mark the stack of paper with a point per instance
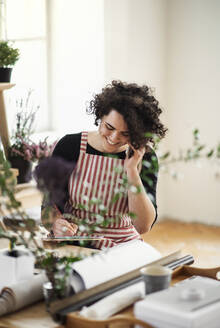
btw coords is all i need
(191, 303)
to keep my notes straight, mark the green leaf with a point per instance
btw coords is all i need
(148, 180)
(115, 198)
(148, 135)
(201, 147)
(218, 151)
(210, 153)
(164, 156)
(196, 133)
(147, 164)
(132, 215)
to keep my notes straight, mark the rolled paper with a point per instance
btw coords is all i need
(7, 301)
(21, 294)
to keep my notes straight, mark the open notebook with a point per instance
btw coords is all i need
(114, 262)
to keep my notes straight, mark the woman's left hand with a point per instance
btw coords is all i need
(133, 162)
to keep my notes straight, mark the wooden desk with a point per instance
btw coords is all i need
(35, 316)
(126, 318)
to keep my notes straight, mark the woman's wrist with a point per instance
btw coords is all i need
(133, 176)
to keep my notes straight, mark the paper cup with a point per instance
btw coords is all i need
(156, 278)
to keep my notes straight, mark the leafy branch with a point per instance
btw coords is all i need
(198, 151)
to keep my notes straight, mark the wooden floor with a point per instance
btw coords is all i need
(201, 241)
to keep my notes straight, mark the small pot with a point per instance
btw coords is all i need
(24, 167)
(16, 265)
(58, 286)
(5, 74)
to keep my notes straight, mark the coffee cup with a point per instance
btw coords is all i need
(156, 277)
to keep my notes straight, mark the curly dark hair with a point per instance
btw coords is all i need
(138, 107)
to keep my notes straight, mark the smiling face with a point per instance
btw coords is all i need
(114, 132)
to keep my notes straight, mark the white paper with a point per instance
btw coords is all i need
(115, 262)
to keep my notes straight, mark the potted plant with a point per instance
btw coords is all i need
(24, 153)
(32, 151)
(8, 57)
(17, 154)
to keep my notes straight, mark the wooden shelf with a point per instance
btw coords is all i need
(5, 86)
(3, 122)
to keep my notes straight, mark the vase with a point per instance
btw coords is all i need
(24, 167)
(5, 74)
(58, 286)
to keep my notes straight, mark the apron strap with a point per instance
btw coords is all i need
(83, 144)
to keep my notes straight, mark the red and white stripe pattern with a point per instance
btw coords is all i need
(95, 177)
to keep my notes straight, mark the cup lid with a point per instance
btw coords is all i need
(156, 270)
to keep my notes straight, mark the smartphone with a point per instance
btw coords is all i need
(130, 152)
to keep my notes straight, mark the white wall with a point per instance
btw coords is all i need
(77, 61)
(135, 39)
(173, 46)
(135, 48)
(193, 100)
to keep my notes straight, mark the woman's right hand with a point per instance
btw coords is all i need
(61, 228)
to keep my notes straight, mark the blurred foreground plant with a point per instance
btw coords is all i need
(23, 230)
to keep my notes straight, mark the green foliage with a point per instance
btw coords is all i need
(20, 225)
(218, 150)
(58, 270)
(7, 185)
(197, 152)
(8, 55)
(210, 153)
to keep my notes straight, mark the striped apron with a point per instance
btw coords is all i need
(95, 178)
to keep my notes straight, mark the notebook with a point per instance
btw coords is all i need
(194, 302)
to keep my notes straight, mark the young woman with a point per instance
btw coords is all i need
(127, 116)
